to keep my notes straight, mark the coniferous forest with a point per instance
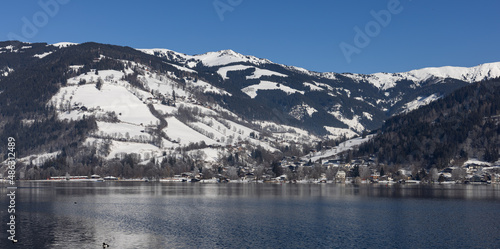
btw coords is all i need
(462, 125)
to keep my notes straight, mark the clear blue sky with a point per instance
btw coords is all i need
(301, 33)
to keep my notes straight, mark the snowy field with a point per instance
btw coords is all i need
(345, 146)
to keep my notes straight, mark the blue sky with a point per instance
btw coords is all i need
(307, 34)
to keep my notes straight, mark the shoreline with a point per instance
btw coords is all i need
(214, 181)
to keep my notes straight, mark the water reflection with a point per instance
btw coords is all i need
(186, 215)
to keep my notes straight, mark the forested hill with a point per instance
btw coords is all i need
(79, 108)
(463, 125)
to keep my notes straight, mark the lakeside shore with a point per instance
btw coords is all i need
(244, 181)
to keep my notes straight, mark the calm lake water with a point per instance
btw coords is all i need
(187, 215)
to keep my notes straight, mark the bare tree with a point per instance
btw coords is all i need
(364, 172)
(458, 174)
(316, 172)
(207, 173)
(258, 172)
(434, 174)
(330, 173)
(232, 173)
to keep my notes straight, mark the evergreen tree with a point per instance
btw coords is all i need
(276, 168)
(355, 171)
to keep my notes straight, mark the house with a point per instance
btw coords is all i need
(249, 176)
(406, 173)
(281, 178)
(332, 163)
(495, 178)
(340, 176)
(374, 177)
(473, 168)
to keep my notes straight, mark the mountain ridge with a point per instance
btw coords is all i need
(390, 86)
(136, 108)
(479, 72)
(460, 126)
(311, 100)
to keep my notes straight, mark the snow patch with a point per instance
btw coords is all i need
(183, 68)
(368, 115)
(342, 147)
(208, 88)
(6, 71)
(183, 134)
(117, 97)
(64, 44)
(39, 159)
(300, 111)
(352, 123)
(42, 55)
(324, 85)
(313, 87)
(119, 148)
(268, 85)
(223, 70)
(475, 161)
(264, 72)
(121, 131)
(76, 67)
(420, 101)
(257, 74)
(339, 132)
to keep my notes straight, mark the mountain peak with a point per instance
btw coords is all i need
(228, 56)
(229, 52)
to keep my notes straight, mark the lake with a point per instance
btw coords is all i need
(197, 215)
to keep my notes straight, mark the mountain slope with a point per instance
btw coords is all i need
(462, 125)
(121, 101)
(93, 104)
(334, 101)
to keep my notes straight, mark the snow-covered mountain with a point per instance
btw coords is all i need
(382, 81)
(383, 93)
(157, 101)
(162, 115)
(210, 59)
(386, 81)
(141, 104)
